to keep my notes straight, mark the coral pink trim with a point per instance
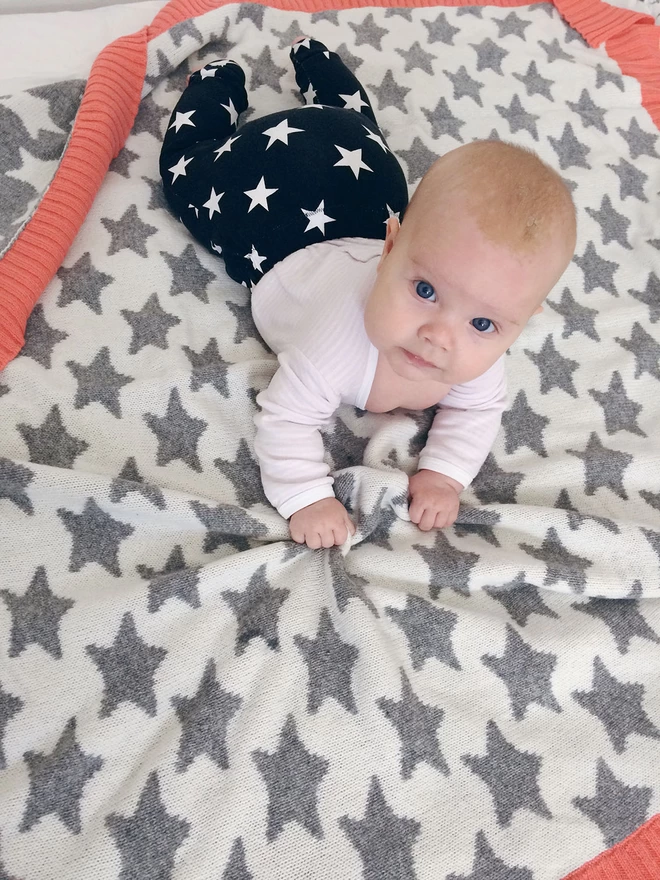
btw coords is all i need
(635, 858)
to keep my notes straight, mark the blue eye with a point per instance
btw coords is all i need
(482, 324)
(424, 289)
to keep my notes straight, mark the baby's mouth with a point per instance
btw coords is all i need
(418, 361)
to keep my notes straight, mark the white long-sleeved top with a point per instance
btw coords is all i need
(309, 308)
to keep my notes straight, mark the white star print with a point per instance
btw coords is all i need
(354, 102)
(309, 95)
(327, 55)
(179, 170)
(216, 248)
(312, 107)
(196, 210)
(259, 195)
(212, 203)
(255, 258)
(225, 148)
(182, 119)
(204, 72)
(317, 218)
(233, 115)
(280, 132)
(304, 43)
(353, 160)
(375, 137)
(391, 213)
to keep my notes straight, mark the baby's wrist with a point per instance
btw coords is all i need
(443, 478)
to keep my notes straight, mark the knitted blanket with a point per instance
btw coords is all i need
(184, 691)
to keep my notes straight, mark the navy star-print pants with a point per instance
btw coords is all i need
(279, 183)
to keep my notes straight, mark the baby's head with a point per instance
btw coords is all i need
(488, 233)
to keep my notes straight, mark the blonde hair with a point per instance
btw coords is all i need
(516, 198)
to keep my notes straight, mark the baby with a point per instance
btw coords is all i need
(298, 204)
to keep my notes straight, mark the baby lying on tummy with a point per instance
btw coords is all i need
(297, 205)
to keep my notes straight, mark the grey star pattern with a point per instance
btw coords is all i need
(177, 78)
(265, 71)
(511, 776)
(121, 163)
(244, 474)
(645, 350)
(619, 410)
(254, 12)
(14, 479)
(569, 150)
(523, 427)
(128, 668)
(57, 781)
(256, 610)
(561, 564)
(488, 866)
(149, 118)
(204, 719)
(188, 274)
(443, 121)
(175, 580)
(236, 868)
(520, 599)
(623, 618)
(428, 630)
(330, 662)
(416, 57)
(245, 326)
(631, 180)
(384, 841)
(590, 114)
(477, 521)
(36, 616)
(525, 672)
(96, 537)
(603, 466)
(450, 567)
(177, 433)
(130, 480)
(188, 28)
(227, 523)
(4, 389)
(82, 282)
(150, 325)
(534, 83)
(618, 706)
(493, 485)
(292, 775)
(41, 338)
(208, 367)
(464, 85)
(100, 382)
(368, 32)
(554, 51)
(9, 706)
(604, 76)
(128, 232)
(653, 538)
(650, 296)
(218, 46)
(50, 443)
(417, 725)
(63, 100)
(345, 447)
(613, 225)
(389, 93)
(618, 809)
(489, 56)
(418, 159)
(511, 24)
(598, 272)
(347, 585)
(576, 316)
(556, 370)
(148, 840)
(157, 197)
(518, 118)
(440, 31)
(640, 143)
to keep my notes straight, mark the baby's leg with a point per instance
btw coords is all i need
(330, 81)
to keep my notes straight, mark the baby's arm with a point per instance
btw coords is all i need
(289, 447)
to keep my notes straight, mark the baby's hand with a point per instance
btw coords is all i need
(434, 500)
(322, 524)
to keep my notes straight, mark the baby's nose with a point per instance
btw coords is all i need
(438, 335)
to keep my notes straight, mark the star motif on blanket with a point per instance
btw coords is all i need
(577, 317)
(345, 447)
(598, 272)
(645, 350)
(534, 83)
(623, 618)
(256, 609)
(440, 31)
(204, 720)
(179, 170)
(511, 24)
(182, 119)
(416, 57)
(280, 132)
(330, 662)
(518, 118)
(148, 840)
(174, 581)
(428, 631)
(493, 485)
(82, 282)
(99, 382)
(317, 218)
(555, 369)
(618, 706)
(450, 567)
(489, 56)
(554, 52)
(128, 232)
(157, 197)
(188, 273)
(383, 839)
(347, 585)
(523, 427)
(418, 159)
(236, 868)
(569, 150)
(36, 616)
(177, 432)
(51, 443)
(265, 71)
(120, 164)
(244, 474)
(96, 537)
(149, 117)
(520, 599)
(368, 32)
(464, 85)
(613, 225)
(41, 338)
(416, 724)
(9, 706)
(150, 325)
(227, 524)
(443, 121)
(488, 866)
(590, 114)
(640, 142)
(245, 326)
(177, 32)
(208, 367)
(603, 466)
(511, 776)
(525, 672)
(650, 296)
(130, 480)
(259, 195)
(561, 564)
(127, 667)
(57, 781)
(292, 775)
(631, 180)
(14, 479)
(389, 93)
(352, 159)
(226, 146)
(618, 809)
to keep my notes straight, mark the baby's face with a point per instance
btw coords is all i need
(447, 302)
